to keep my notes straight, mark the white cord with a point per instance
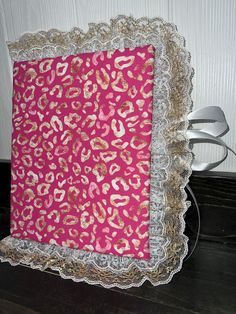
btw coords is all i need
(199, 222)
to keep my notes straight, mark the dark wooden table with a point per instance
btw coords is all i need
(206, 284)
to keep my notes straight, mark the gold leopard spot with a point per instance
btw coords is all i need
(87, 92)
(108, 156)
(61, 68)
(99, 212)
(119, 143)
(144, 167)
(63, 164)
(70, 220)
(118, 200)
(27, 212)
(148, 92)
(61, 150)
(40, 223)
(126, 156)
(59, 195)
(138, 143)
(45, 65)
(43, 189)
(121, 246)
(73, 233)
(115, 220)
(32, 178)
(104, 83)
(123, 85)
(58, 233)
(114, 168)
(122, 183)
(125, 109)
(73, 92)
(86, 220)
(30, 75)
(124, 62)
(120, 131)
(100, 171)
(98, 143)
(76, 168)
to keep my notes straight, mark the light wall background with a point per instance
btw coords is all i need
(209, 27)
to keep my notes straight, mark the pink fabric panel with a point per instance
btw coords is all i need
(81, 151)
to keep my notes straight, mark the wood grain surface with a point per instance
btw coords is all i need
(206, 284)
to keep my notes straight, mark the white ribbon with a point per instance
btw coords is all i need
(218, 125)
(216, 128)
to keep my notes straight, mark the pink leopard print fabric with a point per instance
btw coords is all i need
(81, 146)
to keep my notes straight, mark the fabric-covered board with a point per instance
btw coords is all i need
(100, 155)
(81, 151)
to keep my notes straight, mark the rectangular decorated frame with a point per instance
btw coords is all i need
(100, 155)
